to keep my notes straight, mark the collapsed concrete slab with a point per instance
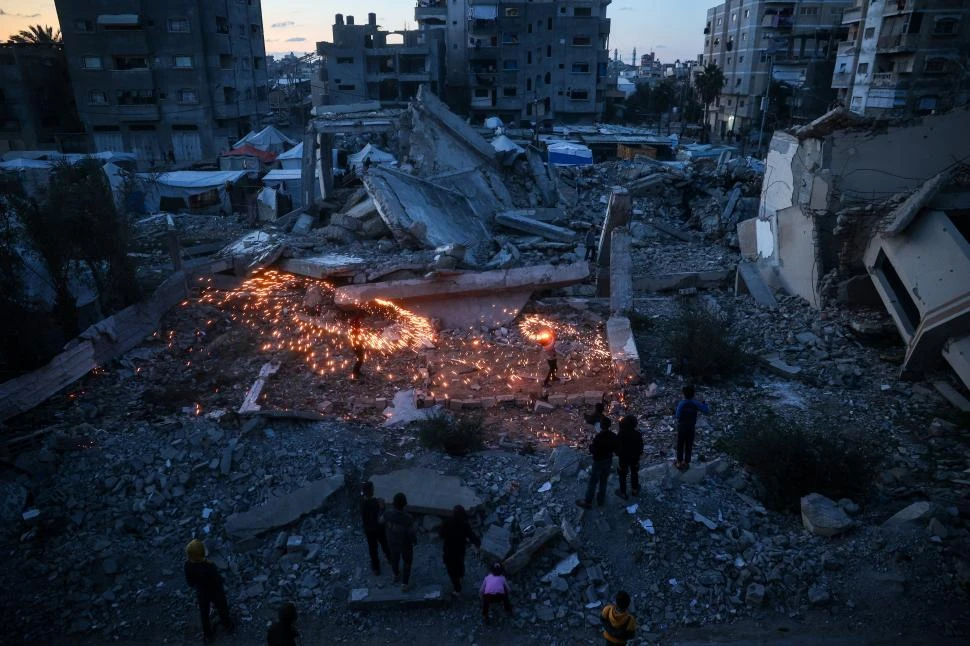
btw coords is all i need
(623, 350)
(422, 214)
(711, 279)
(428, 491)
(528, 547)
(469, 299)
(750, 281)
(280, 511)
(330, 266)
(496, 543)
(520, 222)
(394, 597)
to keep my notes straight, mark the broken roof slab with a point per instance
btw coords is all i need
(420, 213)
(428, 491)
(333, 265)
(470, 299)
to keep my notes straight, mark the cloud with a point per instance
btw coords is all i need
(19, 15)
(660, 47)
(281, 25)
(295, 40)
(626, 9)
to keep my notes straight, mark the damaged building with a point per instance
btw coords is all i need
(840, 203)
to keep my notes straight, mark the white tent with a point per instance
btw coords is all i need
(369, 153)
(292, 158)
(186, 184)
(269, 139)
(290, 180)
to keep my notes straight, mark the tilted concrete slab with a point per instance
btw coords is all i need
(428, 491)
(528, 547)
(394, 597)
(284, 510)
(516, 220)
(337, 265)
(623, 350)
(750, 281)
(461, 300)
(422, 214)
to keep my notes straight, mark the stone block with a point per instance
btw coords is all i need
(281, 511)
(394, 597)
(428, 491)
(914, 513)
(528, 547)
(557, 400)
(823, 517)
(496, 543)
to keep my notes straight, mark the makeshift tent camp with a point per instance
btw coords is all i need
(290, 181)
(568, 153)
(247, 158)
(269, 138)
(370, 153)
(292, 159)
(33, 174)
(197, 189)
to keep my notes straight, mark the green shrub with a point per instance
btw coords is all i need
(792, 461)
(701, 343)
(454, 435)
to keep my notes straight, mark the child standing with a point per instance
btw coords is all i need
(402, 536)
(686, 414)
(629, 448)
(619, 626)
(495, 588)
(202, 575)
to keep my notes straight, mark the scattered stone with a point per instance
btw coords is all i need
(529, 546)
(754, 595)
(496, 543)
(818, 595)
(848, 506)
(938, 529)
(705, 521)
(377, 598)
(914, 513)
(565, 461)
(823, 517)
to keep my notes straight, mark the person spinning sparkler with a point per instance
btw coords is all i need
(356, 336)
(547, 340)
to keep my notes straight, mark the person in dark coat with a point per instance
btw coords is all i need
(686, 414)
(402, 536)
(602, 449)
(202, 575)
(283, 631)
(371, 509)
(629, 448)
(456, 533)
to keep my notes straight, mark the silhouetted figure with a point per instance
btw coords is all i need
(456, 533)
(283, 631)
(202, 575)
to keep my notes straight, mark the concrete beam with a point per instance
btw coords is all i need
(621, 276)
(333, 265)
(957, 354)
(307, 166)
(700, 279)
(469, 299)
(528, 547)
(748, 280)
(352, 126)
(394, 597)
(623, 350)
(515, 220)
(619, 210)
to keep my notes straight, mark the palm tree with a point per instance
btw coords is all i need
(710, 80)
(37, 35)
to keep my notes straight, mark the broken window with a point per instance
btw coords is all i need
(509, 91)
(182, 62)
(345, 60)
(580, 68)
(131, 62)
(935, 65)
(225, 61)
(863, 68)
(510, 65)
(582, 41)
(946, 27)
(579, 95)
(229, 95)
(511, 12)
(869, 33)
(178, 25)
(583, 12)
(222, 25)
(91, 62)
(136, 97)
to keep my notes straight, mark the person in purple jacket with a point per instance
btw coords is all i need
(495, 589)
(686, 414)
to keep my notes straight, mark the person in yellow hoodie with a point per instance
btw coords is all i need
(619, 626)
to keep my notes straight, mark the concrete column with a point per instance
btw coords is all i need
(618, 213)
(621, 268)
(326, 165)
(306, 169)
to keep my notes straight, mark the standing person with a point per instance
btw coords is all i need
(548, 342)
(619, 626)
(357, 345)
(402, 536)
(602, 448)
(629, 448)
(686, 414)
(456, 533)
(495, 588)
(371, 509)
(283, 631)
(201, 574)
(590, 244)
(593, 419)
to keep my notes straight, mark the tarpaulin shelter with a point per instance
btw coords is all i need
(370, 153)
(197, 189)
(292, 159)
(568, 153)
(247, 158)
(290, 181)
(269, 139)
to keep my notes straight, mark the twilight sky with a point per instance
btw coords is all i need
(671, 28)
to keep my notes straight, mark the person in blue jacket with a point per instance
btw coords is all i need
(686, 414)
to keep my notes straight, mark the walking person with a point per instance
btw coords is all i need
(619, 626)
(590, 244)
(602, 449)
(371, 509)
(495, 589)
(629, 448)
(283, 631)
(202, 575)
(686, 414)
(456, 533)
(358, 346)
(402, 536)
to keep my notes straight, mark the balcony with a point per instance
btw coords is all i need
(146, 112)
(897, 43)
(846, 48)
(891, 80)
(425, 9)
(841, 80)
(852, 16)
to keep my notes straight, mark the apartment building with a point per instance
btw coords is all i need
(792, 42)
(36, 113)
(170, 80)
(366, 63)
(525, 61)
(904, 57)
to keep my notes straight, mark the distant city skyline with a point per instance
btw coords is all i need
(670, 28)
